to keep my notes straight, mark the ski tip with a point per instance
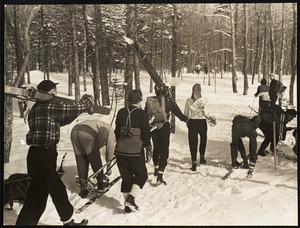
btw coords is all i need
(128, 40)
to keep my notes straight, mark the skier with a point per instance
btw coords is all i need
(197, 124)
(45, 120)
(266, 126)
(276, 90)
(263, 93)
(131, 165)
(197, 69)
(161, 136)
(242, 126)
(87, 138)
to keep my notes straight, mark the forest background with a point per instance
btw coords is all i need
(87, 41)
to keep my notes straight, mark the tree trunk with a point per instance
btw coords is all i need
(234, 76)
(281, 58)
(27, 46)
(129, 55)
(272, 45)
(136, 60)
(173, 63)
(293, 56)
(246, 86)
(265, 50)
(8, 109)
(256, 68)
(86, 44)
(75, 53)
(96, 77)
(103, 57)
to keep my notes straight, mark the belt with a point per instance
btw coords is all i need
(46, 147)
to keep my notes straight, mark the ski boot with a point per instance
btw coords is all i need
(245, 165)
(194, 167)
(251, 169)
(262, 153)
(236, 164)
(130, 203)
(202, 161)
(84, 222)
(160, 179)
(83, 187)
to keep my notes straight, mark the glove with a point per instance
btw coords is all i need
(87, 96)
(149, 153)
(109, 171)
(91, 111)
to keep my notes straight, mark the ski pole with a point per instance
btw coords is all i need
(61, 170)
(104, 174)
(94, 175)
(252, 106)
(274, 137)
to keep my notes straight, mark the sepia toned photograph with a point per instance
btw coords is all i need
(170, 114)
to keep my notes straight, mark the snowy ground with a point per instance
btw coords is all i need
(189, 198)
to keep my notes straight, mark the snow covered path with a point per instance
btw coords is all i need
(270, 197)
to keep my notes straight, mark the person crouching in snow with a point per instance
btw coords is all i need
(244, 127)
(132, 121)
(88, 137)
(266, 126)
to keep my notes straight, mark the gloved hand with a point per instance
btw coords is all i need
(149, 153)
(91, 111)
(90, 97)
(109, 172)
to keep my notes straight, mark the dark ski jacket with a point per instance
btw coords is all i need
(139, 119)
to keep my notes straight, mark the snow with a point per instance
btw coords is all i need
(270, 197)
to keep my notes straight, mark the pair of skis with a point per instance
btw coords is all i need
(96, 193)
(248, 175)
(34, 95)
(97, 196)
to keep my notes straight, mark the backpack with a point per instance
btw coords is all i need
(15, 188)
(156, 108)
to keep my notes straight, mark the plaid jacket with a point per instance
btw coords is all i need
(45, 119)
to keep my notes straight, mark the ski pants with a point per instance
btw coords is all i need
(132, 170)
(161, 143)
(267, 130)
(41, 167)
(197, 127)
(86, 149)
(237, 144)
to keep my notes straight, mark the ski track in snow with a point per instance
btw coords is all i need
(189, 198)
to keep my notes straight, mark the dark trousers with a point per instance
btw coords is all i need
(237, 144)
(132, 170)
(267, 130)
(41, 167)
(197, 127)
(263, 105)
(161, 142)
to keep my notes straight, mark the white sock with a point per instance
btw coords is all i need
(134, 190)
(68, 220)
(125, 195)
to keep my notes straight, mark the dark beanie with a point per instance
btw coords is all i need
(46, 85)
(134, 97)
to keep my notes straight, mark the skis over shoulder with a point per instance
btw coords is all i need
(34, 95)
